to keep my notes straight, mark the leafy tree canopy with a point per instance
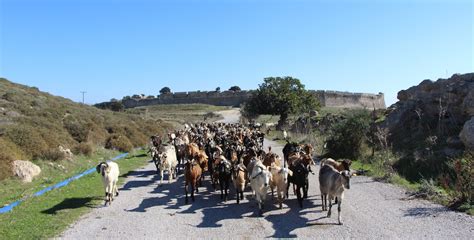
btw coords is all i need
(165, 90)
(281, 96)
(235, 89)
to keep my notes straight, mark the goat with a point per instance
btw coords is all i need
(110, 173)
(299, 179)
(339, 165)
(280, 181)
(332, 184)
(167, 161)
(224, 169)
(238, 177)
(192, 175)
(271, 159)
(260, 182)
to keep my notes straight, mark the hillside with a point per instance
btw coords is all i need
(33, 124)
(426, 125)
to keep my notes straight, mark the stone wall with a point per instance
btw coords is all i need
(350, 100)
(230, 98)
(226, 98)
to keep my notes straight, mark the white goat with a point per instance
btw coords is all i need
(280, 181)
(260, 179)
(110, 173)
(167, 161)
(332, 184)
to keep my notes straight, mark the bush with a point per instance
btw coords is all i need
(348, 135)
(78, 131)
(28, 139)
(5, 166)
(463, 178)
(119, 142)
(53, 154)
(83, 148)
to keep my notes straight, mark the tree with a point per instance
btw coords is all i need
(218, 89)
(117, 106)
(165, 90)
(235, 89)
(281, 96)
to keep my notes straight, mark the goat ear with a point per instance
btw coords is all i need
(98, 168)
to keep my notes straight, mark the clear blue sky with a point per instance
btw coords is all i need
(113, 48)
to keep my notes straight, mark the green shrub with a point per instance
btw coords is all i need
(347, 136)
(28, 139)
(5, 166)
(53, 154)
(79, 131)
(464, 177)
(82, 148)
(119, 142)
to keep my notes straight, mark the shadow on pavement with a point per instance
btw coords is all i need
(215, 210)
(424, 212)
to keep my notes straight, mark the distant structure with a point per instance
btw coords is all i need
(231, 98)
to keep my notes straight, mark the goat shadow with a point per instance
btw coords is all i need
(71, 203)
(284, 224)
(167, 191)
(215, 210)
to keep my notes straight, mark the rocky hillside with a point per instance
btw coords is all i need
(33, 124)
(432, 123)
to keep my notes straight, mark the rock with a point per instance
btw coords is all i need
(67, 152)
(25, 170)
(12, 114)
(313, 113)
(402, 95)
(426, 85)
(468, 103)
(467, 134)
(454, 142)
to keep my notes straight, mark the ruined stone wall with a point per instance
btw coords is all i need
(230, 98)
(227, 98)
(350, 100)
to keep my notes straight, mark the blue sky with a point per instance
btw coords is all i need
(113, 48)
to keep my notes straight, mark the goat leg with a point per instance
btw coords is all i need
(186, 190)
(330, 206)
(339, 212)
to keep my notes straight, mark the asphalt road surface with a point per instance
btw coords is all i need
(370, 210)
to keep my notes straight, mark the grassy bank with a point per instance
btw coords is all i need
(12, 189)
(50, 214)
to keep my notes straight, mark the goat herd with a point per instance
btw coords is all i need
(234, 153)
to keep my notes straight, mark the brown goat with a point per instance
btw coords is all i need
(339, 165)
(192, 175)
(271, 159)
(192, 151)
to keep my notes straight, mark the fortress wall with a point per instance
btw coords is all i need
(229, 98)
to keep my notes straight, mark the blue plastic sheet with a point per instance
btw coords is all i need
(10, 206)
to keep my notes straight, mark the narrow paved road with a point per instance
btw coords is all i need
(371, 210)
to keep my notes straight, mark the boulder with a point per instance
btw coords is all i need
(467, 134)
(25, 170)
(313, 113)
(468, 103)
(66, 151)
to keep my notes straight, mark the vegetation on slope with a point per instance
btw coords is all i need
(33, 124)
